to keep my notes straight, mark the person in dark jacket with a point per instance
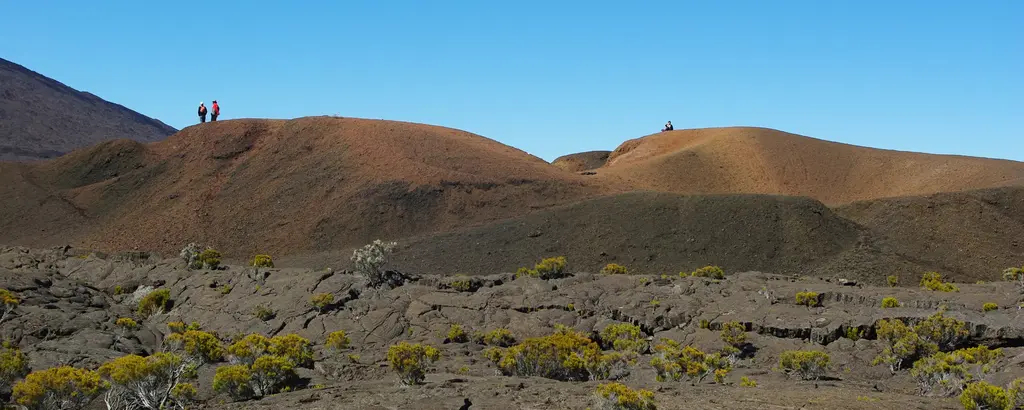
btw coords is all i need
(668, 127)
(216, 111)
(202, 112)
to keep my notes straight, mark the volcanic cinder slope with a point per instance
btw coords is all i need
(759, 160)
(582, 161)
(43, 118)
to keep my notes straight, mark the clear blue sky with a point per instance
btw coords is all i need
(555, 77)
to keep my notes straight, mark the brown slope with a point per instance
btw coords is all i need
(285, 186)
(43, 118)
(759, 160)
(582, 161)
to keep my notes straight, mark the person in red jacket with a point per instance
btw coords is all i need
(216, 111)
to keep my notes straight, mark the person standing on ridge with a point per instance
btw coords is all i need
(202, 112)
(668, 127)
(216, 111)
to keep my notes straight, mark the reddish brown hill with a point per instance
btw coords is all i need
(758, 160)
(581, 161)
(43, 118)
(278, 186)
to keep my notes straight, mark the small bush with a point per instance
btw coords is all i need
(294, 348)
(500, 337)
(65, 388)
(944, 332)
(655, 302)
(808, 365)
(1015, 275)
(747, 382)
(370, 260)
(13, 365)
(946, 374)
(734, 334)
(854, 333)
(248, 349)
(566, 355)
(210, 259)
(616, 396)
(196, 345)
(354, 358)
(226, 289)
(613, 269)
(890, 302)
(809, 299)
(144, 382)
(462, 284)
(549, 268)
(125, 325)
(624, 337)
(233, 380)
(321, 301)
(672, 362)
(118, 290)
(271, 374)
(410, 361)
(262, 261)
(713, 272)
(988, 307)
(456, 334)
(1016, 392)
(933, 281)
(984, 396)
(704, 324)
(337, 341)
(901, 344)
(264, 313)
(155, 302)
(893, 281)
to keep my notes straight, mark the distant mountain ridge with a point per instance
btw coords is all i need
(43, 118)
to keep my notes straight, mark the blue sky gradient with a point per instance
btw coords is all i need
(556, 77)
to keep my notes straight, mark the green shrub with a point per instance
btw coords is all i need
(143, 382)
(226, 289)
(1016, 392)
(946, 374)
(501, 337)
(901, 344)
(196, 345)
(294, 348)
(946, 333)
(616, 396)
(248, 349)
(1015, 275)
(125, 325)
(988, 307)
(613, 269)
(933, 281)
(566, 355)
(747, 382)
(462, 284)
(321, 301)
(890, 302)
(155, 302)
(808, 365)
(984, 396)
(337, 341)
(233, 380)
(672, 362)
(264, 313)
(734, 334)
(549, 268)
(262, 261)
(624, 337)
(456, 334)
(809, 299)
(13, 365)
(893, 281)
(704, 324)
(410, 361)
(118, 290)
(210, 259)
(65, 388)
(271, 374)
(713, 272)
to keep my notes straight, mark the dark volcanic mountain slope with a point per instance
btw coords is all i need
(43, 118)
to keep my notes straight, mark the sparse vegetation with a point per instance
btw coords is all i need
(210, 258)
(196, 346)
(13, 365)
(904, 344)
(264, 313)
(462, 284)
(672, 361)
(263, 366)
(809, 299)
(410, 361)
(808, 365)
(456, 334)
(337, 341)
(549, 268)
(64, 388)
(734, 334)
(155, 382)
(500, 337)
(370, 260)
(616, 396)
(624, 337)
(890, 302)
(988, 307)
(10, 301)
(125, 325)
(946, 374)
(713, 272)
(321, 301)
(566, 355)
(1015, 275)
(983, 396)
(893, 281)
(155, 302)
(933, 281)
(747, 382)
(613, 269)
(226, 289)
(1016, 392)
(263, 261)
